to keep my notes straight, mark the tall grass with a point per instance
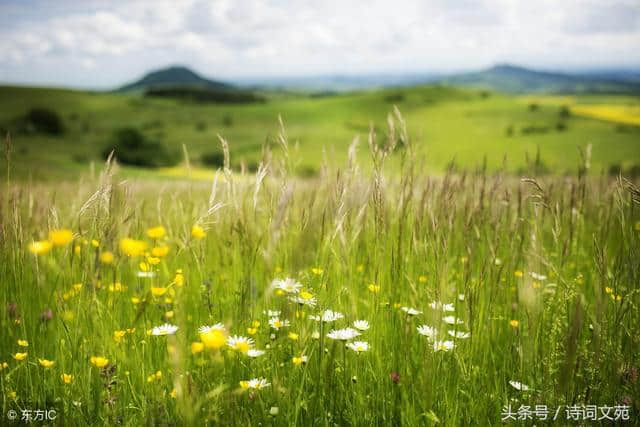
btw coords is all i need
(364, 245)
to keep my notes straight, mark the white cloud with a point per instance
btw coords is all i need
(228, 38)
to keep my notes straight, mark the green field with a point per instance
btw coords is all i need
(457, 296)
(541, 276)
(445, 124)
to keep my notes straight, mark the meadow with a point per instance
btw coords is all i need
(370, 293)
(446, 124)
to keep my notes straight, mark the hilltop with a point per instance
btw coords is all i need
(175, 76)
(515, 79)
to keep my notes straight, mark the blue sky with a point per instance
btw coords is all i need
(100, 43)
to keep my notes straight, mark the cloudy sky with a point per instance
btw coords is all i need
(102, 44)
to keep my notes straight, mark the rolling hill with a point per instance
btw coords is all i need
(514, 79)
(176, 76)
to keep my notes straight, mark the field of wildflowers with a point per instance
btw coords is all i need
(353, 298)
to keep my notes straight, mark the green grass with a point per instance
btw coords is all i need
(445, 123)
(419, 238)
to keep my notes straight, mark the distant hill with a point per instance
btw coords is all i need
(173, 77)
(173, 81)
(514, 79)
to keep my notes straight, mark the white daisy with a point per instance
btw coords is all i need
(146, 274)
(452, 320)
(328, 316)
(411, 311)
(428, 331)
(254, 384)
(361, 325)
(205, 328)
(288, 285)
(358, 346)
(539, 277)
(518, 385)
(459, 334)
(276, 323)
(343, 334)
(311, 302)
(255, 353)
(165, 329)
(461, 297)
(272, 313)
(443, 345)
(437, 305)
(242, 344)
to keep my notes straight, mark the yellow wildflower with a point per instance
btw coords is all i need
(132, 247)
(67, 316)
(374, 288)
(197, 347)
(317, 271)
(118, 335)
(158, 291)
(99, 361)
(40, 247)
(179, 279)
(20, 356)
(514, 323)
(23, 343)
(293, 336)
(422, 279)
(116, 287)
(299, 360)
(213, 339)
(60, 237)
(156, 232)
(46, 363)
(106, 257)
(160, 251)
(66, 378)
(197, 232)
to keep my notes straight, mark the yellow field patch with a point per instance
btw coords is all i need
(198, 174)
(629, 114)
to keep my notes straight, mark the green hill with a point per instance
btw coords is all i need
(514, 79)
(176, 76)
(446, 123)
